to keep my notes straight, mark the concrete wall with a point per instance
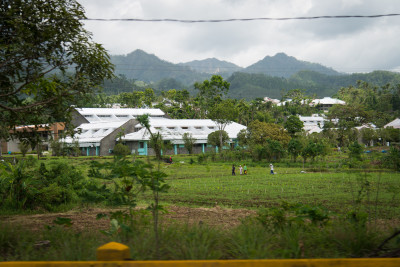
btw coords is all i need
(77, 119)
(4, 147)
(109, 141)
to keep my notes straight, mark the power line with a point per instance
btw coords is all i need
(245, 19)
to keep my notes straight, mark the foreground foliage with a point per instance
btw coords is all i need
(286, 231)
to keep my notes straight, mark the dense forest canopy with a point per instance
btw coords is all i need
(381, 102)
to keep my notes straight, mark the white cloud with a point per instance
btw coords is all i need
(350, 45)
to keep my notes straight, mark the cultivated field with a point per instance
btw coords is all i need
(321, 210)
(375, 192)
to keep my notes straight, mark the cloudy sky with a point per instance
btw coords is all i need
(347, 45)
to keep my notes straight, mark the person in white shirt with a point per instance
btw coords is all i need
(272, 168)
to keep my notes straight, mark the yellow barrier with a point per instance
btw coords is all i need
(113, 251)
(219, 263)
(115, 254)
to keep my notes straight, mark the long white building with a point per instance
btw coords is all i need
(97, 131)
(173, 130)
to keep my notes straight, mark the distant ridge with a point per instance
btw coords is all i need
(212, 66)
(271, 76)
(142, 66)
(282, 65)
(149, 68)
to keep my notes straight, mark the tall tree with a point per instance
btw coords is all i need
(294, 148)
(214, 138)
(47, 61)
(189, 142)
(346, 117)
(259, 132)
(223, 114)
(155, 138)
(210, 92)
(293, 125)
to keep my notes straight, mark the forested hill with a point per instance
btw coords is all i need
(213, 66)
(141, 66)
(270, 77)
(282, 65)
(250, 85)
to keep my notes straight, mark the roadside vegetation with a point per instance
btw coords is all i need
(325, 209)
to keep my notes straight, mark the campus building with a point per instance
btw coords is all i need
(97, 131)
(99, 138)
(98, 128)
(323, 104)
(326, 103)
(45, 132)
(313, 123)
(89, 115)
(395, 124)
(173, 130)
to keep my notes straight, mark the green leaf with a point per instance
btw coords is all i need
(63, 221)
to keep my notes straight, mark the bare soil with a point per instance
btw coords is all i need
(86, 219)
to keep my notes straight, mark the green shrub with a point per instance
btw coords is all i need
(250, 240)
(23, 147)
(29, 187)
(199, 242)
(121, 150)
(356, 151)
(392, 159)
(202, 158)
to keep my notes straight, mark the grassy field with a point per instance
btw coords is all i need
(371, 194)
(324, 183)
(377, 193)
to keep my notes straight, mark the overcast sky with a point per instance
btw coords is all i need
(347, 45)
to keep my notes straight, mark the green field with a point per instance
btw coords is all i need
(377, 193)
(326, 212)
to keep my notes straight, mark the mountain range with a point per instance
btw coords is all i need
(270, 76)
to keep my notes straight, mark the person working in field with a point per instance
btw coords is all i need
(233, 170)
(240, 169)
(245, 169)
(272, 168)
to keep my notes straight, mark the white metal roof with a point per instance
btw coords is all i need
(366, 125)
(94, 132)
(304, 101)
(328, 101)
(275, 101)
(394, 124)
(173, 130)
(314, 129)
(305, 119)
(117, 114)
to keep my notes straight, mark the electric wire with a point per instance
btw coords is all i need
(244, 19)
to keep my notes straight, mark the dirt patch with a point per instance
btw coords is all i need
(225, 218)
(86, 219)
